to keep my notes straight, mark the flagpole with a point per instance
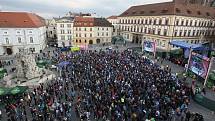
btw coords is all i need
(188, 63)
(154, 49)
(208, 71)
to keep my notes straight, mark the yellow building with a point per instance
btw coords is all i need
(90, 30)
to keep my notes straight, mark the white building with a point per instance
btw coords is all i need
(164, 22)
(21, 30)
(90, 30)
(114, 21)
(65, 31)
(51, 28)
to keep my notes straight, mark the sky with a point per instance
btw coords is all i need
(56, 8)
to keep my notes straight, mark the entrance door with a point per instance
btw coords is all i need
(91, 42)
(97, 41)
(9, 51)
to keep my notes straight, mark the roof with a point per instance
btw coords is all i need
(20, 20)
(112, 17)
(91, 22)
(170, 8)
(102, 22)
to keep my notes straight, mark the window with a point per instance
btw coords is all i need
(79, 41)
(76, 40)
(76, 35)
(30, 32)
(107, 29)
(31, 40)
(187, 22)
(150, 21)
(98, 34)
(32, 49)
(62, 25)
(85, 29)
(85, 41)
(69, 25)
(62, 37)
(102, 33)
(79, 29)
(102, 29)
(176, 33)
(165, 32)
(177, 22)
(194, 33)
(160, 21)
(79, 34)
(185, 32)
(107, 34)
(191, 22)
(5, 32)
(182, 22)
(18, 32)
(178, 10)
(166, 21)
(19, 39)
(85, 35)
(90, 35)
(189, 33)
(154, 21)
(180, 33)
(7, 41)
(69, 37)
(159, 31)
(91, 29)
(69, 31)
(62, 31)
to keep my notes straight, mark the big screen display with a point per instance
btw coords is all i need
(149, 46)
(199, 64)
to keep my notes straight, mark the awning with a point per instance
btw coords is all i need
(18, 90)
(185, 45)
(13, 90)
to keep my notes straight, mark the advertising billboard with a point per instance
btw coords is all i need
(199, 64)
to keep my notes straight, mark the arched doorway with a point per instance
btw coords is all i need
(9, 51)
(91, 42)
(97, 41)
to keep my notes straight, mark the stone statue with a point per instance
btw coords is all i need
(26, 66)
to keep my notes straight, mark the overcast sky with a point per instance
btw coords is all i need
(55, 8)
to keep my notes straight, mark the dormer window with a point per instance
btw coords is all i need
(142, 12)
(188, 11)
(164, 11)
(178, 10)
(198, 12)
(152, 11)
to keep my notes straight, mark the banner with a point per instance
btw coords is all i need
(199, 64)
(149, 46)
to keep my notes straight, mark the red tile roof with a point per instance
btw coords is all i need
(170, 8)
(112, 17)
(20, 20)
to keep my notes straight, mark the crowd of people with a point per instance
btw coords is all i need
(105, 85)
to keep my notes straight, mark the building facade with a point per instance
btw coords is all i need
(114, 21)
(164, 22)
(19, 31)
(51, 28)
(65, 31)
(90, 30)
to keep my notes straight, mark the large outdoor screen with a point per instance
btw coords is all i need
(199, 64)
(149, 46)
